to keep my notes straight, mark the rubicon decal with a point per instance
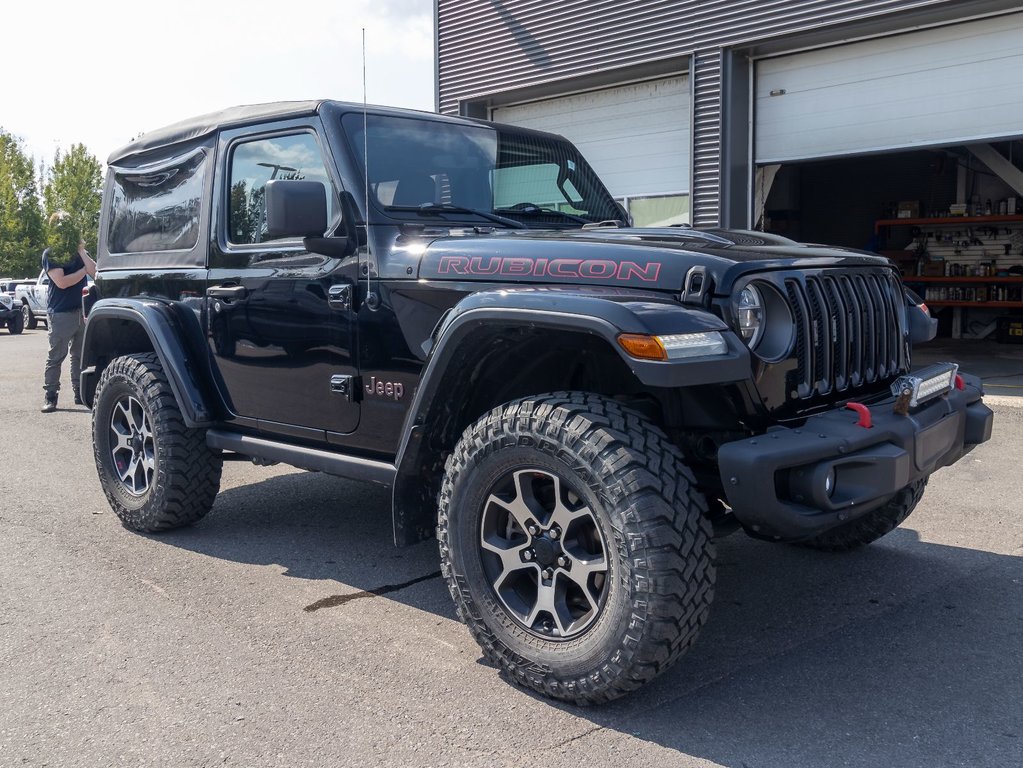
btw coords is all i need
(522, 266)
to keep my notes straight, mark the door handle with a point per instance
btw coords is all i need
(340, 297)
(227, 291)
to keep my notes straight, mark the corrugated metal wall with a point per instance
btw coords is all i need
(489, 47)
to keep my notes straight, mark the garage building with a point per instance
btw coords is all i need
(892, 125)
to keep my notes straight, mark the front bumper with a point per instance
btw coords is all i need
(792, 484)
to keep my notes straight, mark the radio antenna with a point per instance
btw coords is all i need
(371, 299)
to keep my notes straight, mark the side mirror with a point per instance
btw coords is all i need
(922, 327)
(295, 209)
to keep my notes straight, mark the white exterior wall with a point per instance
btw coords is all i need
(957, 84)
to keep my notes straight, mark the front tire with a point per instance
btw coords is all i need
(156, 473)
(873, 525)
(16, 324)
(29, 320)
(575, 546)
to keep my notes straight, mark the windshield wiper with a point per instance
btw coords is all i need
(531, 209)
(434, 208)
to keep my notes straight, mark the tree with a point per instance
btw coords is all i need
(75, 185)
(21, 217)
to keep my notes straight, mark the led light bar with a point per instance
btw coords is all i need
(927, 384)
(675, 346)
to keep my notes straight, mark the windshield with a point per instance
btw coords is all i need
(429, 165)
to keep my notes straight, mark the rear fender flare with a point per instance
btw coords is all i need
(174, 333)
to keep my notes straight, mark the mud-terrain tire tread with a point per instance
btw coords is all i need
(16, 324)
(873, 525)
(669, 571)
(187, 476)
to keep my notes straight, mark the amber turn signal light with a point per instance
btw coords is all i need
(642, 346)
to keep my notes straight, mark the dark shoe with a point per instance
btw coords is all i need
(49, 404)
(78, 399)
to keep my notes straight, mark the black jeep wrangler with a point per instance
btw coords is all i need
(458, 310)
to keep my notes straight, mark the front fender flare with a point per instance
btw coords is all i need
(605, 313)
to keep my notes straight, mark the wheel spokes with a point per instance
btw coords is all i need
(547, 600)
(543, 553)
(580, 574)
(133, 446)
(511, 560)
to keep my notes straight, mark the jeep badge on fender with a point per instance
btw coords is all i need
(588, 404)
(392, 389)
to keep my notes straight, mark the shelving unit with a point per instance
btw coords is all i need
(962, 279)
(979, 221)
(969, 256)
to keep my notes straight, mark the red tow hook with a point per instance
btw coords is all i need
(960, 384)
(864, 413)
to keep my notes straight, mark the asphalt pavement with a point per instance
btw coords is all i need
(286, 630)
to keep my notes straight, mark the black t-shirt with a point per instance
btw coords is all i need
(64, 299)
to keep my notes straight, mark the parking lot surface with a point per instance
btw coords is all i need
(286, 630)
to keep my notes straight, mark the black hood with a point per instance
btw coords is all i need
(656, 259)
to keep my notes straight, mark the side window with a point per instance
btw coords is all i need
(157, 210)
(253, 164)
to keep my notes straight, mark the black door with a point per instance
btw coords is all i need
(279, 318)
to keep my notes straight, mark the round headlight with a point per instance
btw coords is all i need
(764, 321)
(750, 312)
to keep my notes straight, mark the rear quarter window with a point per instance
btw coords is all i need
(157, 210)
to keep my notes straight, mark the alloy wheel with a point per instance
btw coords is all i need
(544, 554)
(132, 446)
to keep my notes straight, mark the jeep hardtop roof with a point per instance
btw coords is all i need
(203, 125)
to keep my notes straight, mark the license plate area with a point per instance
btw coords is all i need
(934, 441)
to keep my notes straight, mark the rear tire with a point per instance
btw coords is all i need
(575, 546)
(873, 525)
(156, 472)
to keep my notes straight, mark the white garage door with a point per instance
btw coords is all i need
(951, 85)
(635, 136)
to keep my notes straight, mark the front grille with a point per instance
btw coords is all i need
(848, 330)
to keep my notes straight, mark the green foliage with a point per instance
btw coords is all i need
(21, 216)
(63, 238)
(75, 185)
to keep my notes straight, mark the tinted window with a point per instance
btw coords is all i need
(157, 210)
(253, 164)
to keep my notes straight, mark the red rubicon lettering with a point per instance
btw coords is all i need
(457, 264)
(597, 268)
(491, 265)
(647, 272)
(564, 268)
(523, 266)
(516, 266)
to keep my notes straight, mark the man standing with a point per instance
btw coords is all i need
(67, 263)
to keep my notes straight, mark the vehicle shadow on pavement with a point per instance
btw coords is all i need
(319, 527)
(904, 653)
